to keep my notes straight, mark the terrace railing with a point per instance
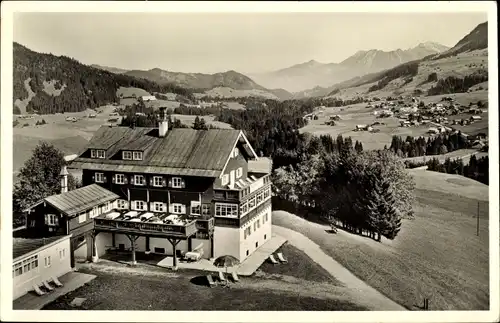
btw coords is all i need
(178, 230)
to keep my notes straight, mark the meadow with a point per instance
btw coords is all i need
(358, 114)
(437, 255)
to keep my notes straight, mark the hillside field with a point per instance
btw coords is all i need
(436, 255)
(458, 66)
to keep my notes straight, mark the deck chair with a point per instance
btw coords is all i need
(271, 258)
(221, 276)
(281, 258)
(211, 282)
(57, 282)
(38, 290)
(235, 277)
(47, 286)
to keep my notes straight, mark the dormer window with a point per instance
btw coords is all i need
(235, 152)
(137, 155)
(127, 155)
(97, 153)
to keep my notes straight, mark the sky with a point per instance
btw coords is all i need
(218, 42)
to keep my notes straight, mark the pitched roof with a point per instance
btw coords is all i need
(22, 246)
(81, 199)
(180, 152)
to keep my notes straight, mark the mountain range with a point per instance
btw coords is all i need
(300, 77)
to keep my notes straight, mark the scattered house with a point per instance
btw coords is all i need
(404, 123)
(71, 119)
(92, 115)
(38, 261)
(361, 127)
(433, 130)
(147, 98)
(375, 130)
(335, 118)
(309, 116)
(475, 118)
(404, 116)
(113, 119)
(369, 128)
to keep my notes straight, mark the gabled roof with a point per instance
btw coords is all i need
(181, 151)
(81, 199)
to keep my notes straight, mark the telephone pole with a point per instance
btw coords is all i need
(477, 233)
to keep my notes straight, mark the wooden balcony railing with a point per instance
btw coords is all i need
(185, 230)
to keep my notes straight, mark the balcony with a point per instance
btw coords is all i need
(244, 189)
(205, 224)
(146, 223)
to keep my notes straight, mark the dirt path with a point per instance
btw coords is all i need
(365, 295)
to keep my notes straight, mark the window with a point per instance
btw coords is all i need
(247, 232)
(177, 182)
(51, 219)
(235, 152)
(157, 181)
(178, 208)
(61, 254)
(99, 177)
(225, 179)
(137, 155)
(257, 244)
(243, 208)
(82, 217)
(205, 209)
(120, 179)
(239, 172)
(94, 212)
(158, 207)
(25, 266)
(195, 207)
(139, 180)
(47, 261)
(122, 204)
(226, 210)
(101, 153)
(266, 194)
(140, 205)
(93, 153)
(127, 155)
(251, 203)
(260, 197)
(258, 223)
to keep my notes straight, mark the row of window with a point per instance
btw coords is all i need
(126, 155)
(255, 201)
(196, 208)
(225, 177)
(96, 211)
(31, 263)
(140, 180)
(256, 225)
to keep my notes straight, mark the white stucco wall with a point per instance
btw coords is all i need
(257, 237)
(226, 242)
(58, 267)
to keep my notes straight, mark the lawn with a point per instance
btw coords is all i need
(461, 153)
(357, 114)
(299, 266)
(436, 255)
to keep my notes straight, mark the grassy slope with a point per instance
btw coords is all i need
(458, 66)
(437, 255)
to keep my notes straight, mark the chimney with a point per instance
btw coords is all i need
(64, 179)
(163, 123)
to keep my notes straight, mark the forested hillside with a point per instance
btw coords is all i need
(48, 84)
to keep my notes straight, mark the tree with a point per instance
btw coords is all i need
(39, 177)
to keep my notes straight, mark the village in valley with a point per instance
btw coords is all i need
(361, 185)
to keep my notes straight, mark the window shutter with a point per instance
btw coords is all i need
(169, 182)
(93, 178)
(104, 178)
(46, 219)
(183, 184)
(132, 178)
(163, 182)
(183, 209)
(113, 179)
(125, 179)
(170, 208)
(151, 181)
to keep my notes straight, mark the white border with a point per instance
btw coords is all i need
(9, 7)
